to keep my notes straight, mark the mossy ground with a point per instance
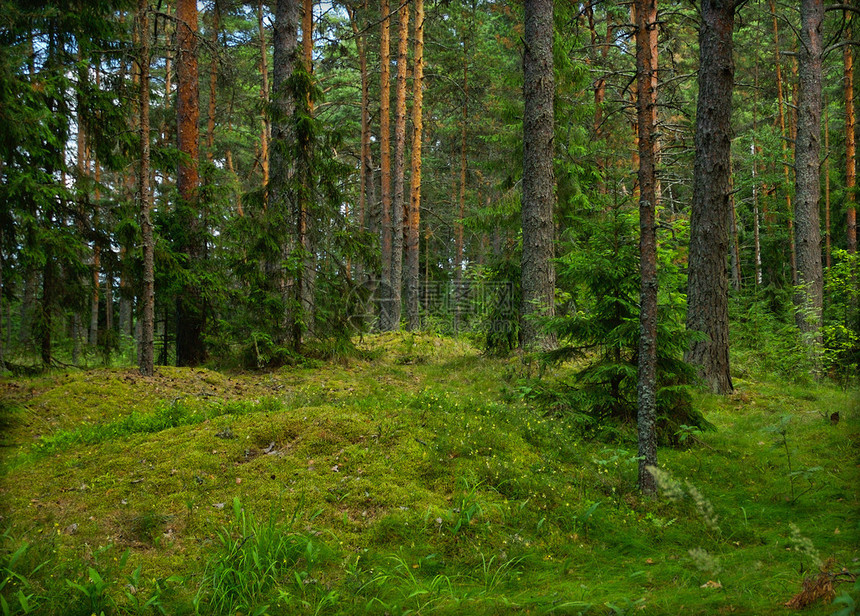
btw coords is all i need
(432, 486)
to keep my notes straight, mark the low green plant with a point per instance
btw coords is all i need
(780, 431)
(17, 592)
(467, 507)
(848, 602)
(252, 559)
(138, 602)
(92, 593)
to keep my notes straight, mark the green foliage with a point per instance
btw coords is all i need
(600, 275)
(764, 336)
(841, 329)
(780, 432)
(253, 559)
(501, 323)
(18, 595)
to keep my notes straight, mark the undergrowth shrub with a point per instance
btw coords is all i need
(602, 272)
(765, 339)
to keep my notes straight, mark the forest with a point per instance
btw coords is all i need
(429, 306)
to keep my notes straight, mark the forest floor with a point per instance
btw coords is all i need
(414, 479)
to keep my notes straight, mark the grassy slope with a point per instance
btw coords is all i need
(430, 486)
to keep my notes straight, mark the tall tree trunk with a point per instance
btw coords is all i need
(807, 172)
(94, 296)
(146, 354)
(168, 75)
(712, 212)
(386, 309)
(213, 82)
(190, 309)
(599, 86)
(826, 187)
(414, 218)
(283, 201)
(365, 169)
(46, 318)
(124, 293)
(850, 143)
(108, 305)
(459, 239)
(397, 207)
(265, 128)
(756, 218)
(306, 237)
(645, 12)
(735, 240)
(784, 141)
(28, 302)
(538, 200)
(2, 345)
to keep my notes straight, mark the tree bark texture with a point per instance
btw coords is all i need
(645, 12)
(711, 214)
(414, 218)
(213, 83)
(385, 312)
(146, 353)
(265, 128)
(538, 199)
(283, 202)
(397, 207)
(307, 282)
(807, 171)
(850, 144)
(459, 240)
(784, 141)
(190, 309)
(93, 338)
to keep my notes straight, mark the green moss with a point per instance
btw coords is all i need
(413, 467)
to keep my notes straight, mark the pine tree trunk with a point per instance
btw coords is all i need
(645, 12)
(365, 168)
(146, 338)
(306, 237)
(265, 128)
(94, 297)
(459, 240)
(538, 199)
(850, 144)
(2, 345)
(397, 208)
(736, 246)
(712, 212)
(784, 141)
(190, 309)
(386, 309)
(213, 83)
(46, 319)
(755, 190)
(108, 306)
(756, 220)
(28, 303)
(414, 218)
(826, 187)
(283, 202)
(807, 172)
